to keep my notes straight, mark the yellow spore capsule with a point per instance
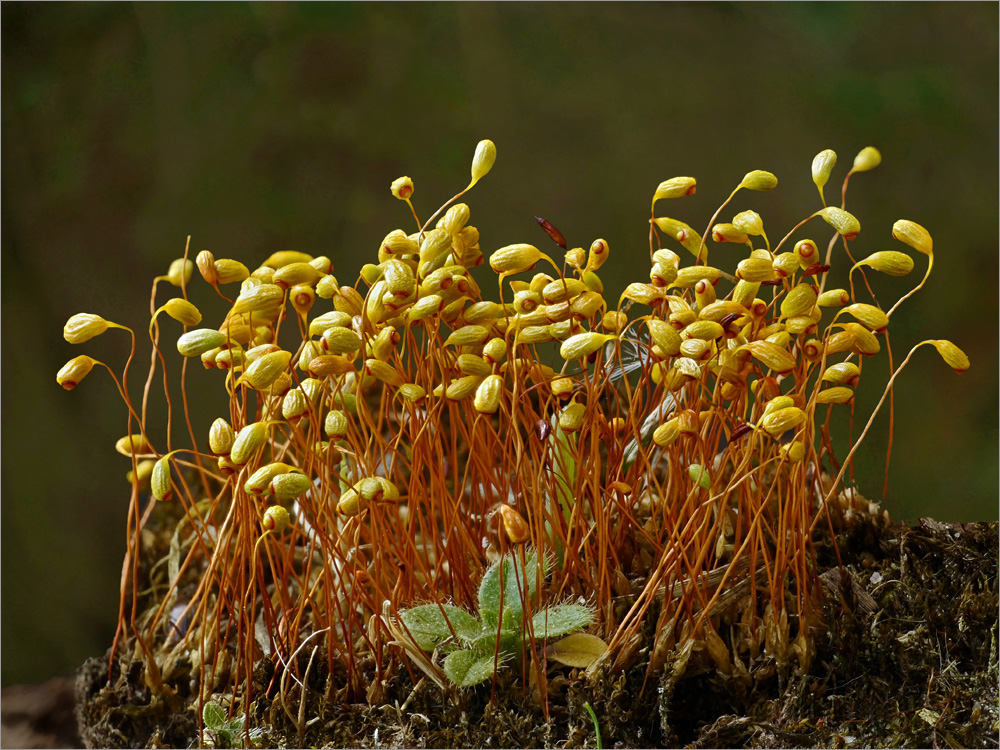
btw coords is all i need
(807, 253)
(771, 356)
(667, 433)
(793, 452)
(482, 160)
(644, 294)
(182, 311)
(706, 330)
(260, 481)
(83, 327)
(954, 357)
(755, 270)
(798, 301)
(384, 372)
(473, 364)
(843, 373)
(275, 519)
(889, 262)
(229, 271)
(599, 253)
(822, 165)
(351, 503)
(265, 370)
(329, 365)
(412, 392)
(288, 486)
(159, 481)
(284, 258)
(402, 188)
(664, 336)
(834, 298)
(675, 187)
(71, 373)
(835, 395)
(206, 267)
(779, 422)
(132, 444)
(468, 336)
(571, 418)
(583, 344)
(727, 232)
(248, 441)
(341, 341)
(515, 258)
(221, 437)
(846, 224)
(759, 180)
(294, 405)
(463, 387)
(913, 235)
(488, 393)
(514, 525)
(869, 316)
(263, 298)
(868, 158)
(142, 476)
(749, 222)
(180, 272)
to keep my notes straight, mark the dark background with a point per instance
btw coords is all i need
(256, 128)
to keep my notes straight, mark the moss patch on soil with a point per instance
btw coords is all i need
(907, 657)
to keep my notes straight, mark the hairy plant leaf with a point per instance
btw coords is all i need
(465, 668)
(560, 620)
(213, 716)
(577, 650)
(507, 579)
(429, 624)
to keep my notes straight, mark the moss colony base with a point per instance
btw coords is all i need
(896, 668)
(401, 495)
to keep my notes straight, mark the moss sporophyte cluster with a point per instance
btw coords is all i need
(397, 479)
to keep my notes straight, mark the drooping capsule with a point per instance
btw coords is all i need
(263, 371)
(836, 395)
(159, 480)
(583, 344)
(913, 235)
(889, 262)
(71, 373)
(83, 327)
(290, 485)
(798, 301)
(276, 519)
(771, 356)
(845, 223)
(954, 357)
(248, 441)
(778, 422)
(514, 525)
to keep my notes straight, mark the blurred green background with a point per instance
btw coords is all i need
(255, 128)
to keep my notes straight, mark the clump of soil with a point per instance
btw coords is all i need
(908, 657)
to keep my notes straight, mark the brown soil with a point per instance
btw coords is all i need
(908, 657)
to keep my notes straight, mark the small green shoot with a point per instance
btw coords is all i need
(476, 648)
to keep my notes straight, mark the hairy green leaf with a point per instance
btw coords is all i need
(560, 620)
(465, 668)
(213, 716)
(511, 577)
(429, 624)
